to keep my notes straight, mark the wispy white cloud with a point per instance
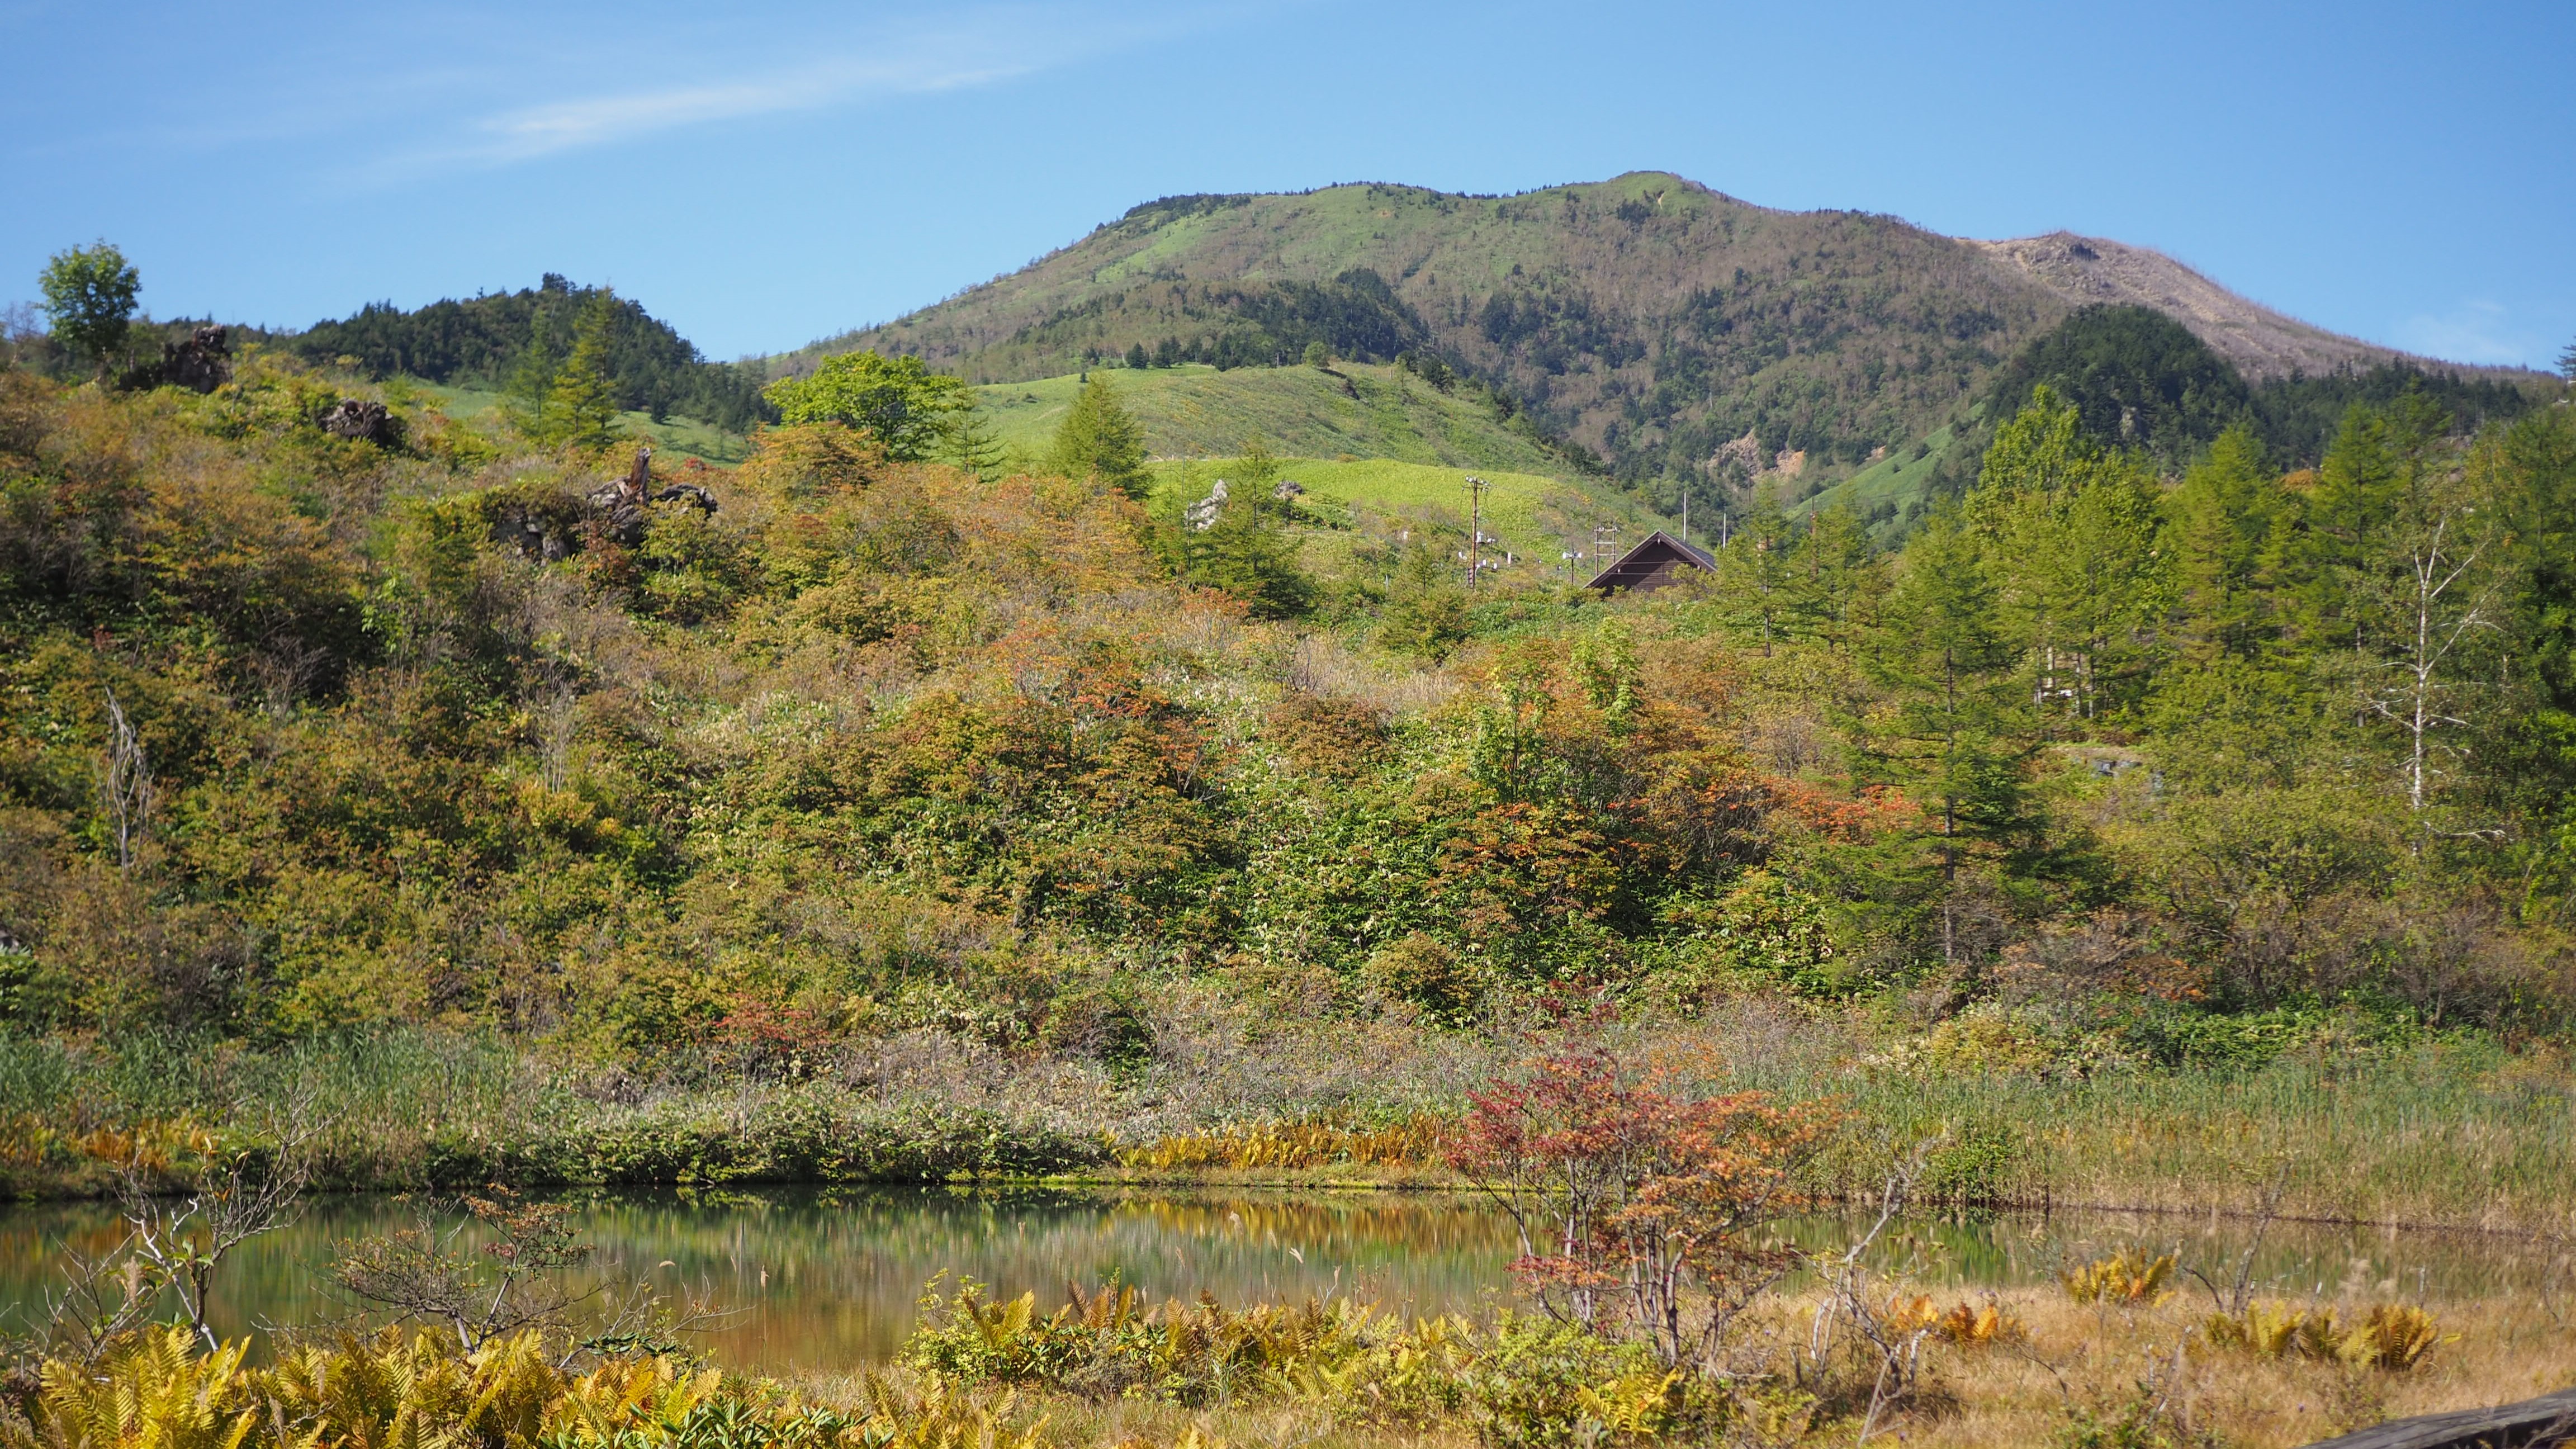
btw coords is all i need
(2476, 330)
(980, 49)
(535, 131)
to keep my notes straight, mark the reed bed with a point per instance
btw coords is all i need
(2456, 1134)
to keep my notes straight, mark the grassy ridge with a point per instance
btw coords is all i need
(1355, 411)
(1898, 479)
(1535, 517)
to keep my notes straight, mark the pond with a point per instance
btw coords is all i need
(830, 1279)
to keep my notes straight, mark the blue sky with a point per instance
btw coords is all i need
(765, 173)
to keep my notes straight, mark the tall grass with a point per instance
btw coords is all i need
(2459, 1135)
(2453, 1133)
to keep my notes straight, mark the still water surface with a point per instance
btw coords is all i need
(830, 1279)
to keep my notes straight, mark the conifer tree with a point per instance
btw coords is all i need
(1256, 472)
(1755, 572)
(1830, 573)
(2223, 522)
(580, 406)
(1099, 440)
(1956, 732)
(1426, 611)
(1246, 553)
(2072, 531)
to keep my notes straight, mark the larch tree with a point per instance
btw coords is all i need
(1099, 440)
(580, 406)
(1954, 730)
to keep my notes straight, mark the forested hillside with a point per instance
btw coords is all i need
(514, 340)
(1684, 339)
(304, 732)
(2139, 380)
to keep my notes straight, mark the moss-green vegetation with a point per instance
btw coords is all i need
(1356, 410)
(675, 437)
(1356, 513)
(1890, 493)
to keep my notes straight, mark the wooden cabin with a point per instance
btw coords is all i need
(1654, 563)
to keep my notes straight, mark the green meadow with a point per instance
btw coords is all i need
(674, 438)
(1350, 412)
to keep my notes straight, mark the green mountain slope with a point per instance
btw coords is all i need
(1648, 319)
(1354, 410)
(1684, 337)
(1529, 521)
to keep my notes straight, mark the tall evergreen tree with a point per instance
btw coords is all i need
(1831, 573)
(2222, 531)
(2376, 474)
(580, 407)
(1756, 572)
(1956, 733)
(2072, 530)
(1099, 440)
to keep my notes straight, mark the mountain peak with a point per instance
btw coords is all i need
(1645, 319)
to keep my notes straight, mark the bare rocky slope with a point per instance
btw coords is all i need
(2262, 343)
(1669, 330)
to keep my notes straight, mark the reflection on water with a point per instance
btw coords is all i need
(829, 1279)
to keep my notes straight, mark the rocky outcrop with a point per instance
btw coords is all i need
(362, 421)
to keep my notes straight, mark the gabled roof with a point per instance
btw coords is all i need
(1658, 549)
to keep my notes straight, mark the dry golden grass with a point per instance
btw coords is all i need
(2024, 1389)
(2019, 1367)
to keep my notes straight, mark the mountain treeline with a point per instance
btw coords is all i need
(303, 733)
(498, 340)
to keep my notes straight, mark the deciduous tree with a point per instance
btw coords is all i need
(915, 414)
(89, 295)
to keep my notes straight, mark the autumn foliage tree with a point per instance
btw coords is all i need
(1639, 1210)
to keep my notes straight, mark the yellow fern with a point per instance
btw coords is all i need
(155, 1391)
(2123, 1278)
(1978, 1326)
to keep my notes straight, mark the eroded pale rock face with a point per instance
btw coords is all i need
(2261, 343)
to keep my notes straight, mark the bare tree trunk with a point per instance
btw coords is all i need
(128, 785)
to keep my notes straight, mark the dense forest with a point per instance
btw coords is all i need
(498, 341)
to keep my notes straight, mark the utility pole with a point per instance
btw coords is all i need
(1686, 513)
(1475, 527)
(1599, 532)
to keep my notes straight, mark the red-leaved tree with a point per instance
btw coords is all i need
(1637, 1207)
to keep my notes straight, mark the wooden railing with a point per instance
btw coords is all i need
(2542, 1423)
